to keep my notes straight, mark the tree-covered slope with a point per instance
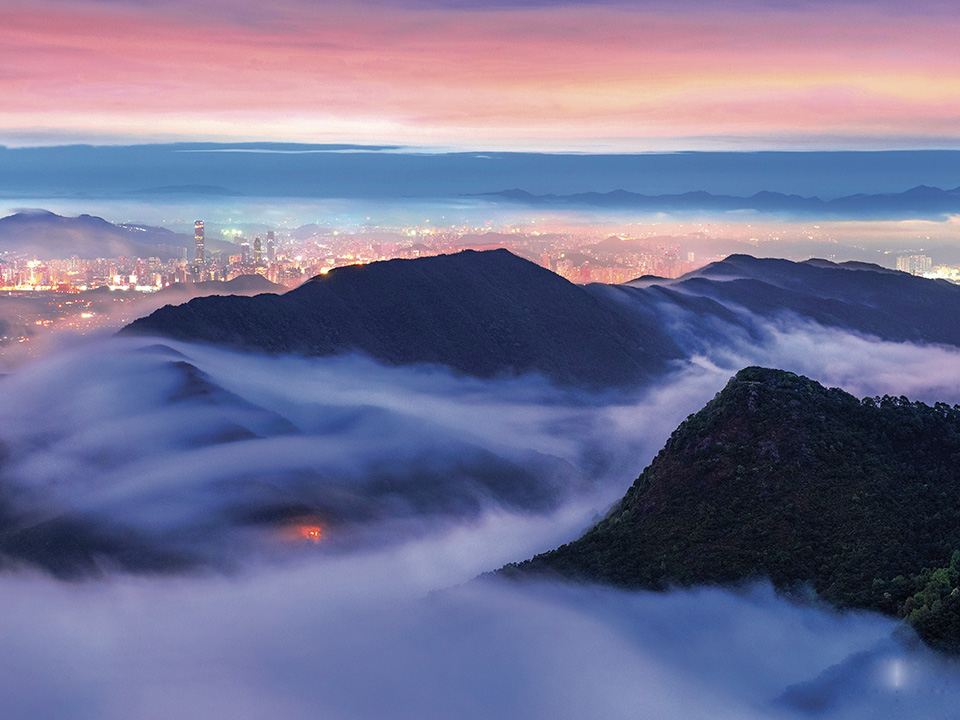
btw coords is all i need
(779, 477)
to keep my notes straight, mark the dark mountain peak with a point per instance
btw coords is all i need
(923, 190)
(240, 285)
(780, 477)
(29, 214)
(252, 283)
(497, 267)
(730, 266)
(771, 378)
(848, 265)
(486, 314)
(740, 259)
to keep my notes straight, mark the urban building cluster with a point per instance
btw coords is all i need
(154, 273)
(923, 265)
(915, 264)
(258, 256)
(287, 261)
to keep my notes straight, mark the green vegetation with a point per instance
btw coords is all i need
(779, 477)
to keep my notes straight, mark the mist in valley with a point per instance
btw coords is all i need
(419, 481)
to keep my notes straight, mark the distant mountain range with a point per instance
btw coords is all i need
(921, 200)
(493, 313)
(45, 234)
(272, 170)
(781, 478)
(742, 292)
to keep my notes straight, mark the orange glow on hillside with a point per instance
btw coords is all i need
(310, 532)
(300, 529)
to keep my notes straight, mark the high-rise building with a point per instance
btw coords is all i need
(271, 246)
(198, 242)
(257, 250)
(914, 264)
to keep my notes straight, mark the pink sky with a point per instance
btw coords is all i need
(546, 77)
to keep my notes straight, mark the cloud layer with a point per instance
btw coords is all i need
(357, 640)
(188, 447)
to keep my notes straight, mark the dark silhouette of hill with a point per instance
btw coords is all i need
(781, 478)
(710, 306)
(240, 285)
(891, 305)
(484, 314)
(921, 200)
(45, 234)
(488, 313)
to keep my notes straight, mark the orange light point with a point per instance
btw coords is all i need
(310, 532)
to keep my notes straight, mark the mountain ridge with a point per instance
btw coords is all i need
(922, 199)
(781, 478)
(492, 313)
(46, 234)
(484, 314)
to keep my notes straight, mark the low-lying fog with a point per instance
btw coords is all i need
(418, 482)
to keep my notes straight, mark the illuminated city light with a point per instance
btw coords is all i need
(311, 532)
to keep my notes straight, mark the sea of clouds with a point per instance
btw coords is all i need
(421, 480)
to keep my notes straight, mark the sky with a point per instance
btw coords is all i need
(594, 75)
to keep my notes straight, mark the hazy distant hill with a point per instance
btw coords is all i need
(779, 477)
(272, 170)
(45, 235)
(305, 232)
(921, 200)
(483, 314)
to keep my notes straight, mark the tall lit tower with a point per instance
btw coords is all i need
(198, 241)
(257, 250)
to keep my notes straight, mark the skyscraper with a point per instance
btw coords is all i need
(257, 250)
(198, 242)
